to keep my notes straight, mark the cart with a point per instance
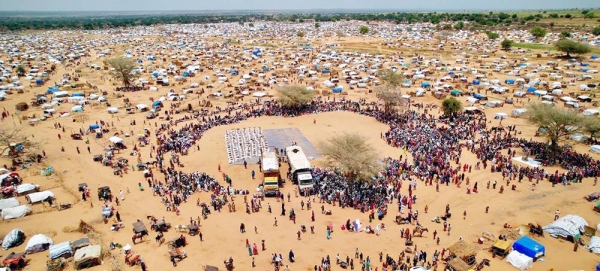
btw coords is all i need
(193, 230)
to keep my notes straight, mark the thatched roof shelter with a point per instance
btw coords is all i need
(463, 250)
(458, 264)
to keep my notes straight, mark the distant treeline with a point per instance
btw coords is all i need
(448, 20)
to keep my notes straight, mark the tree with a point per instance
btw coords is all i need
(123, 69)
(317, 25)
(570, 46)
(451, 106)
(592, 126)
(12, 138)
(447, 27)
(459, 25)
(506, 44)
(568, 16)
(559, 124)
(565, 34)
(492, 35)
(20, 70)
(553, 15)
(300, 34)
(596, 31)
(251, 25)
(363, 29)
(351, 153)
(584, 12)
(590, 15)
(538, 32)
(294, 95)
(389, 92)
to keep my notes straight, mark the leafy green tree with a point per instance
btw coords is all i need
(300, 34)
(558, 123)
(294, 95)
(506, 44)
(589, 15)
(538, 32)
(251, 25)
(584, 12)
(565, 34)
(553, 15)
(363, 29)
(459, 25)
(570, 46)
(568, 16)
(317, 25)
(451, 106)
(351, 153)
(123, 69)
(514, 16)
(596, 31)
(592, 126)
(447, 27)
(492, 35)
(20, 70)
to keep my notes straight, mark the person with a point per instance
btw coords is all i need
(556, 215)
(291, 256)
(200, 235)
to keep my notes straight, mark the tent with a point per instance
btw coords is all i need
(425, 84)
(590, 112)
(26, 188)
(141, 106)
(39, 196)
(501, 115)
(518, 112)
(259, 94)
(338, 89)
(509, 81)
(94, 126)
(59, 250)
(38, 243)
(116, 139)
(594, 245)
(77, 108)
(567, 226)
(8, 203)
(455, 92)
(13, 238)
(15, 212)
(519, 260)
(595, 148)
(529, 247)
(112, 110)
(87, 257)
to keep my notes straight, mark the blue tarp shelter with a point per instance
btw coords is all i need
(94, 126)
(529, 247)
(186, 74)
(234, 72)
(531, 90)
(585, 64)
(451, 73)
(425, 84)
(52, 90)
(478, 96)
(325, 71)
(155, 74)
(476, 82)
(265, 68)
(39, 81)
(338, 89)
(594, 57)
(509, 81)
(156, 103)
(77, 95)
(598, 267)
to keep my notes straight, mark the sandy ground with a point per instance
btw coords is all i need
(222, 238)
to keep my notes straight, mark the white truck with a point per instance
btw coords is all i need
(300, 168)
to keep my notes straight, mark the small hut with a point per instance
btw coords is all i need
(22, 106)
(457, 264)
(464, 251)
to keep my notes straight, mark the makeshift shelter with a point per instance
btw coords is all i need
(518, 112)
(22, 106)
(595, 148)
(456, 264)
(591, 112)
(501, 248)
(529, 247)
(77, 108)
(464, 251)
(59, 250)
(519, 260)
(39, 196)
(500, 115)
(15, 212)
(594, 245)
(80, 243)
(38, 243)
(26, 188)
(569, 226)
(112, 110)
(116, 140)
(13, 238)
(87, 257)
(8, 203)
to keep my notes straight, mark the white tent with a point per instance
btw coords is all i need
(472, 100)
(591, 112)
(594, 245)
(501, 115)
(116, 139)
(15, 212)
(8, 203)
(26, 187)
(141, 106)
(569, 225)
(520, 261)
(112, 110)
(39, 196)
(518, 112)
(259, 94)
(38, 243)
(595, 148)
(77, 108)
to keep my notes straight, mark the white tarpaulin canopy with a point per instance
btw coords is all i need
(259, 94)
(141, 106)
(26, 187)
(37, 243)
(520, 261)
(595, 148)
(116, 139)
(569, 225)
(8, 203)
(594, 245)
(39, 196)
(15, 212)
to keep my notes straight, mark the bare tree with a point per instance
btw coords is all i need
(16, 142)
(351, 153)
(123, 69)
(294, 95)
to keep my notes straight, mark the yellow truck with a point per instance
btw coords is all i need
(270, 169)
